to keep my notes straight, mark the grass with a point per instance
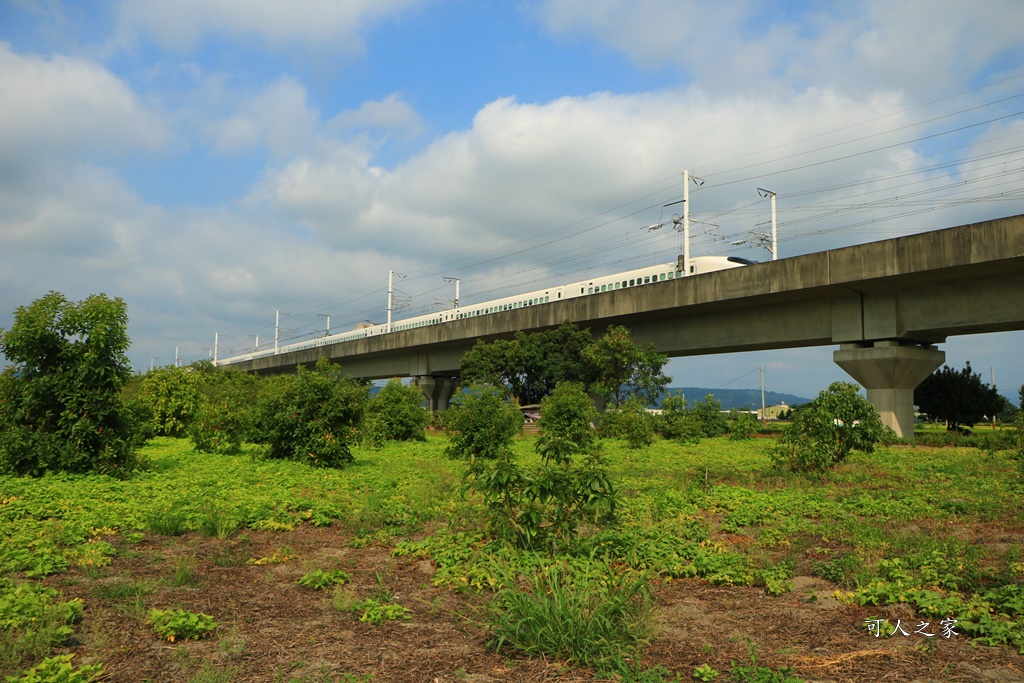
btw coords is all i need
(713, 510)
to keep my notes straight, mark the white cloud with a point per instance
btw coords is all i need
(923, 46)
(320, 24)
(279, 118)
(64, 106)
(391, 115)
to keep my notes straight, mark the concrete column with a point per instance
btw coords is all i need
(438, 390)
(890, 372)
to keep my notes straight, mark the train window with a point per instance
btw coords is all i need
(691, 269)
(548, 298)
(590, 290)
(671, 275)
(662, 276)
(632, 282)
(647, 279)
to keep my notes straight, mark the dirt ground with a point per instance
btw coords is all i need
(271, 629)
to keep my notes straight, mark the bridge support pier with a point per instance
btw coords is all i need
(438, 390)
(890, 371)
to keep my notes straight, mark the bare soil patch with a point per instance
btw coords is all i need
(271, 629)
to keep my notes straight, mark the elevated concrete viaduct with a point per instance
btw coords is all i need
(885, 304)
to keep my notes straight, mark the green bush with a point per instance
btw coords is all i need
(481, 424)
(708, 414)
(676, 423)
(543, 506)
(825, 431)
(396, 413)
(632, 422)
(567, 416)
(313, 418)
(61, 407)
(172, 396)
(743, 427)
(227, 412)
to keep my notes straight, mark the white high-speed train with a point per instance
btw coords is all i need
(607, 283)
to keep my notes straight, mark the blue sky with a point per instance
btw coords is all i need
(215, 161)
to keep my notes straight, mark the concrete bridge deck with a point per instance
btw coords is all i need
(886, 305)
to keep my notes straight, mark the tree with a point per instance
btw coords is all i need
(227, 410)
(622, 368)
(481, 424)
(61, 406)
(173, 396)
(958, 398)
(312, 418)
(708, 414)
(676, 422)
(826, 430)
(529, 366)
(396, 413)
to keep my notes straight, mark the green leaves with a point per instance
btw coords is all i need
(177, 624)
(623, 368)
(396, 413)
(825, 431)
(61, 407)
(312, 418)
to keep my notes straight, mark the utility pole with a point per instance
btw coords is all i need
(277, 329)
(175, 356)
(764, 416)
(686, 223)
(447, 278)
(391, 281)
(216, 341)
(775, 235)
(325, 315)
(391, 291)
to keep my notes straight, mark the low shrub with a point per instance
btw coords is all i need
(177, 624)
(597, 617)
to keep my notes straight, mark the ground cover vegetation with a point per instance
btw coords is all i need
(306, 532)
(406, 576)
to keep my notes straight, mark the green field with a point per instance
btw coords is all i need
(907, 535)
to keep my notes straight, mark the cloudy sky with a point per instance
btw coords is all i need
(214, 161)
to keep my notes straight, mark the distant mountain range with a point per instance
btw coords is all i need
(738, 398)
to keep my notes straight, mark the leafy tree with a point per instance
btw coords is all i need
(958, 398)
(173, 397)
(481, 424)
(622, 368)
(312, 417)
(708, 414)
(542, 506)
(572, 484)
(631, 422)
(395, 414)
(744, 426)
(530, 366)
(61, 406)
(227, 411)
(826, 430)
(676, 422)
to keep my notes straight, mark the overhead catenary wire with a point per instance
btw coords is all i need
(653, 195)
